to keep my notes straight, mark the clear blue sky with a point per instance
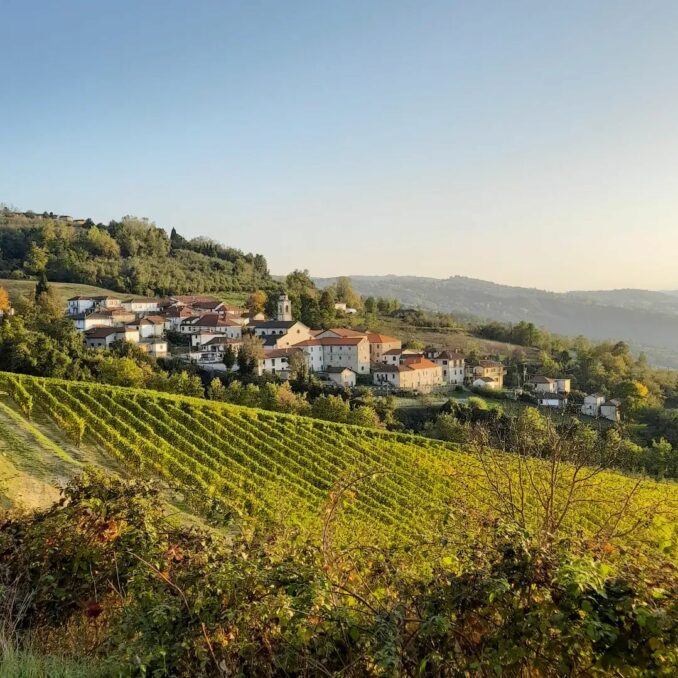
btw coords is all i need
(531, 143)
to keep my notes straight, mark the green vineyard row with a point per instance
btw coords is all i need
(255, 461)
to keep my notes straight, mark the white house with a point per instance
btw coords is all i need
(211, 323)
(154, 346)
(420, 375)
(452, 364)
(176, 315)
(82, 304)
(610, 410)
(152, 326)
(100, 337)
(397, 355)
(141, 306)
(276, 361)
(343, 377)
(591, 406)
(351, 352)
(88, 321)
(487, 369)
(103, 337)
(542, 384)
(323, 352)
(548, 399)
(212, 352)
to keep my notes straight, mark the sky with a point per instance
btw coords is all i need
(526, 143)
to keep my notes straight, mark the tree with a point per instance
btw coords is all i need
(561, 466)
(633, 394)
(364, 415)
(446, 427)
(123, 372)
(36, 261)
(297, 365)
(4, 300)
(326, 308)
(370, 305)
(344, 292)
(187, 384)
(229, 357)
(249, 355)
(42, 286)
(256, 302)
(331, 408)
(216, 390)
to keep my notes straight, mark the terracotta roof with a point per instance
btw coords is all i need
(266, 324)
(393, 351)
(310, 342)
(422, 364)
(345, 332)
(101, 332)
(490, 363)
(182, 312)
(337, 370)
(214, 341)
(210, 320)
(375, 338)
(384, 367)
(155, 319)
(541, 380)
(278, 353)
(92, 298)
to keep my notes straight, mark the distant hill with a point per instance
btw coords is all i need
(647, 320)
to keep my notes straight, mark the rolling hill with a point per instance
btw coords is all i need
(647, 320)
(282, 467)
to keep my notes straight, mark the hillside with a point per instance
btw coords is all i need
(313, 548)
(132, 255)
(646, 320)
(26, 288)
(254, 462)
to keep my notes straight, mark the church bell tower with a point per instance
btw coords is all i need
(284, 308)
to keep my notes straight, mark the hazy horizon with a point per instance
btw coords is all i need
(520, 143)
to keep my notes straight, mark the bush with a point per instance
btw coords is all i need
(104, 575)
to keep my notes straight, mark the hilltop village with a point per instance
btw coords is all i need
(211, 334)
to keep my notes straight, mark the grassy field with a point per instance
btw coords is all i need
(17, 288)
(451, 339)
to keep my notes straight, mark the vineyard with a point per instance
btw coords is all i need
(255, 462)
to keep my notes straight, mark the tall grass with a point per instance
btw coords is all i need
(17, 662)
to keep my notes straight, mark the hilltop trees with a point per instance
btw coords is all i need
(131, 255)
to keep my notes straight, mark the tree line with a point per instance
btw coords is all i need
(130, 255)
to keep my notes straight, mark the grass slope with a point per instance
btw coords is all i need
(17, 288)
(288, 467)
